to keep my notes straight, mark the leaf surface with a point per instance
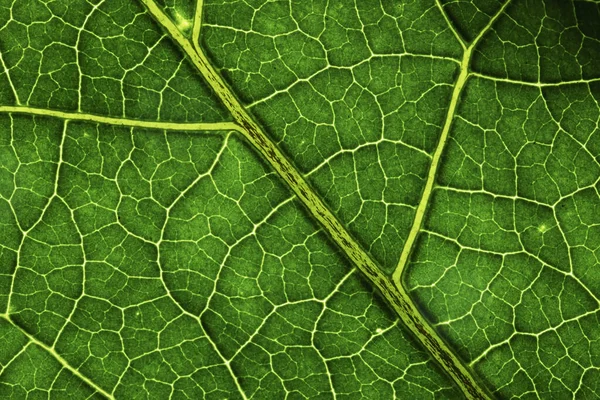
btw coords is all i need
(273, 199)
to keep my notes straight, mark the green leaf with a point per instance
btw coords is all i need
(303, 199)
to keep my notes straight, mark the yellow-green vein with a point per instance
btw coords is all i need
(61, 360)
(437, 155)
(394, 294)
(75, 116)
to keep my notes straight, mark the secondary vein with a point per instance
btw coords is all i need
(431, 176)
(76, 116)
(437, 155)
(57, 356)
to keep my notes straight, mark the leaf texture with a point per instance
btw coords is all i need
(299, 199)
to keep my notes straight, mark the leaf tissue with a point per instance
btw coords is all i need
(321, 199)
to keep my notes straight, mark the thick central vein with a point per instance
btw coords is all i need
(397, 297)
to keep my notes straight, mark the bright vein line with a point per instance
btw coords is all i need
(437, 156)
(59, 358)
(396, 295)
(171, 126)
